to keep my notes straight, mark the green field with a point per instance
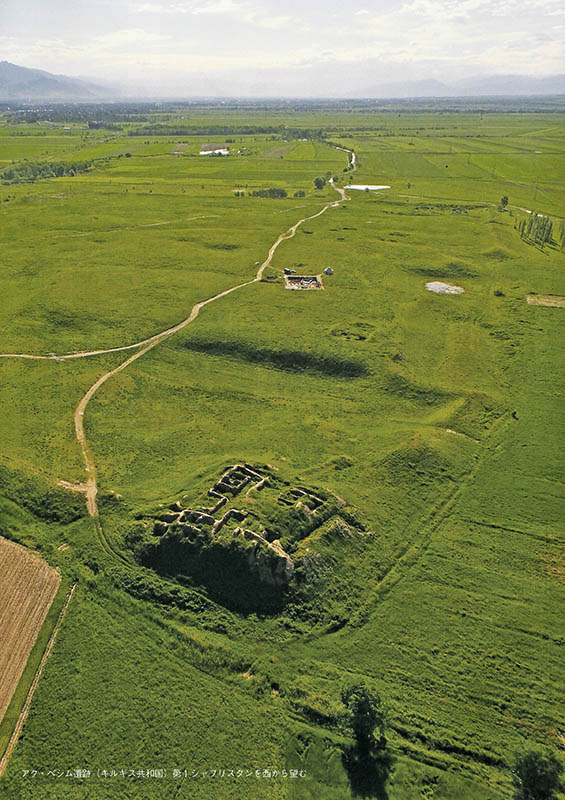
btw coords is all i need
(435, 420)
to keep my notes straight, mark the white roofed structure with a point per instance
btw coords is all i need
(214, 150)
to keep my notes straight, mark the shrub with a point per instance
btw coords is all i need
(272, 192)
(536, 775)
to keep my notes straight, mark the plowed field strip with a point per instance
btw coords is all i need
(25, 710)
(28, 587)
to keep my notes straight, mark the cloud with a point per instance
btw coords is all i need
(128, 37)
(160, 8)
(247, 12)
(241, 10)
(219, 7)
(482, 8)
(164, 40)
(149, 8)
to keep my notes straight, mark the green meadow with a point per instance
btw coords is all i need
(437, 420)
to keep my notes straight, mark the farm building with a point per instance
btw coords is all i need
(214, 150)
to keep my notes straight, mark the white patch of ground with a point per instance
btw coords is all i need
(551, 300)
(370, 186)
(439, 287)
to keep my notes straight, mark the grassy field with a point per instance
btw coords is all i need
(437, 418)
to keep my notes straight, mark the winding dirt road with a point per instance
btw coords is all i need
(152, 340)
(90, 487)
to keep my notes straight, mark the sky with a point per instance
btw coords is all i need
(299, 47)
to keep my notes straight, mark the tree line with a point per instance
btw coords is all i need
(29, 172)
(272, 192)
(538, 229)
(160, 129)
(207, 130)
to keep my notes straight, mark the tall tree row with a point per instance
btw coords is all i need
(537, 228)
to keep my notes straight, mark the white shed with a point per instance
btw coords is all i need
(214, 150)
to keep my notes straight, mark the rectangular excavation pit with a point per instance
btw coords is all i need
(303, 282)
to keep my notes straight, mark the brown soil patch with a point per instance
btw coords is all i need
(29, 586)
(279, 151)
(552, 300)
(555, 566)
(303, 282)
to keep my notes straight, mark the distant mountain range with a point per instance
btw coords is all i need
(21, 83)
(514, 85)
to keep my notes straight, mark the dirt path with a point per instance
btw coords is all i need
(90, 487)
(473, 202)
(153, 340)
(67, 356)
(95, 232)
(138, 227)
(25, 710)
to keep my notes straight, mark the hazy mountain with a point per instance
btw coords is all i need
(512, 85)
(423, 88)
(471, 87)
(21, 83)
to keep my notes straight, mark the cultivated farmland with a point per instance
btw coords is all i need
(28, 586)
